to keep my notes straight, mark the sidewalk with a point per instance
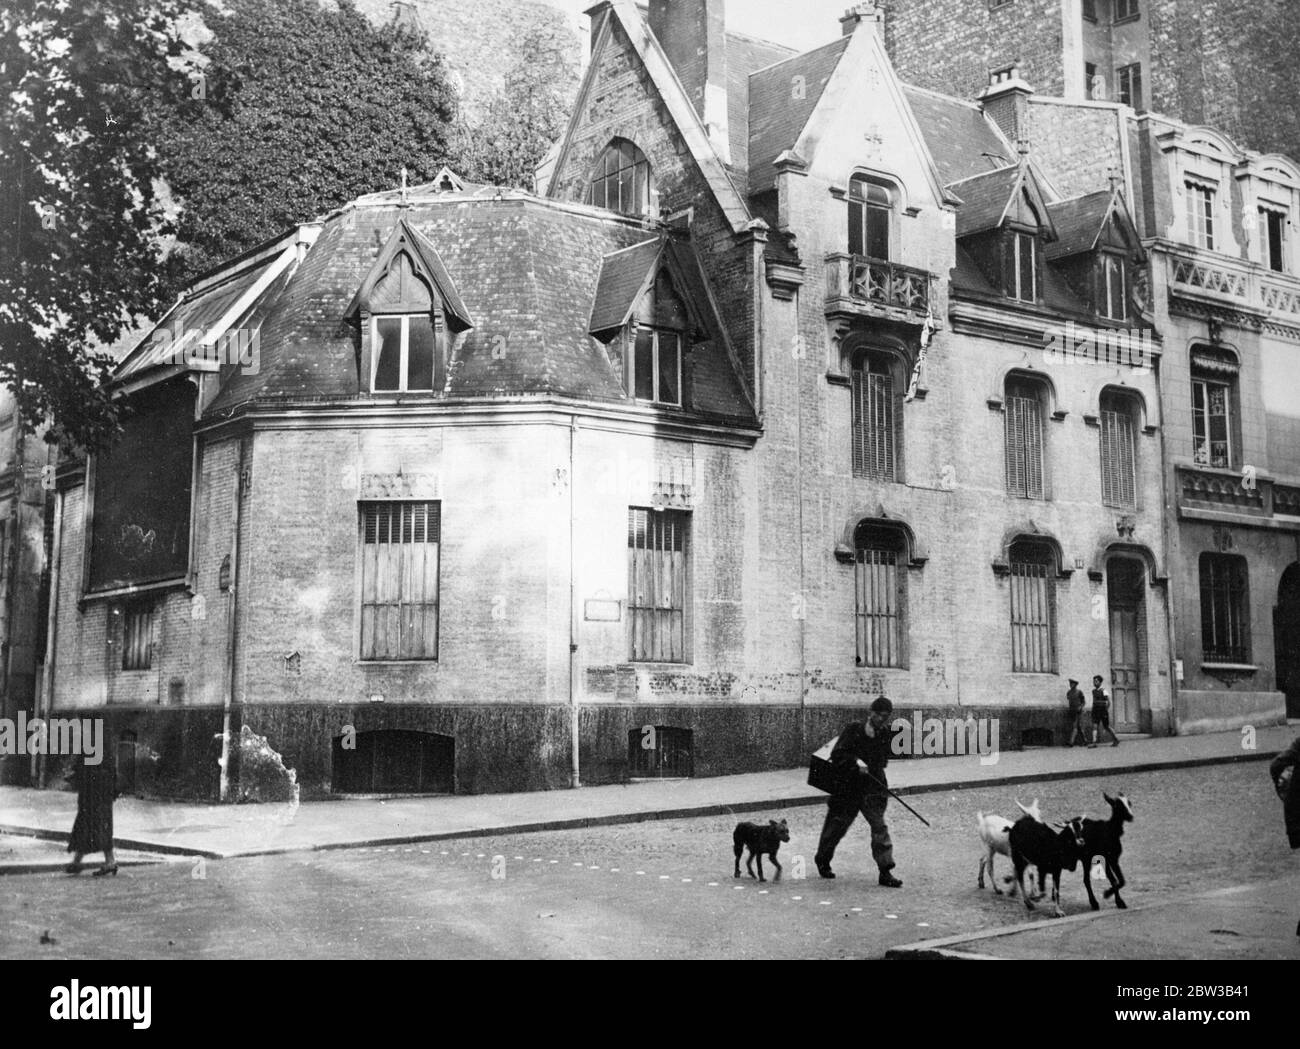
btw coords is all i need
(1246, 922)
(222, 831)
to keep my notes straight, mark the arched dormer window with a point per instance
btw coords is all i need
(871, 217)
(655, 348)
(404, 327)
(622, 180)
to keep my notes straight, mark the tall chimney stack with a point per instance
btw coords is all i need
(868, 14)
(1006, 100)
(693, 36)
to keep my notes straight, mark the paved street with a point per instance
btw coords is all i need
(657, 890)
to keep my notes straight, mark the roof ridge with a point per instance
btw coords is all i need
(985, 174)
(841, 42)
(968, 103)
(760, 40)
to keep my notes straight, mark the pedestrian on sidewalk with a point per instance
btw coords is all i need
(92, 830)
(1283, 770)
(859, 759)
(1101, 713)
(1074, 700)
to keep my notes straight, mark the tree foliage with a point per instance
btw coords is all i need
(324, 108)
(81, 214)
(526, 116)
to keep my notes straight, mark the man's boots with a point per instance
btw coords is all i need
(888, 880)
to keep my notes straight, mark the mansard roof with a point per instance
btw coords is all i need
(525, 270)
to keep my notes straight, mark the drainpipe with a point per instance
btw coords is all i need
(232, 622)
(45, 701)
(575, 779)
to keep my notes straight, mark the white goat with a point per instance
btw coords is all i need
(994, 833)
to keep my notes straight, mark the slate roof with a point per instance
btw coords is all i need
(1079, 222)
(623, 276)
(745, 55)
(960, 136)
(776, 116)
(527, 271)
(984, 199)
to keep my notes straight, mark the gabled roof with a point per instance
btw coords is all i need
(1081, 221)
(624, 277)
(987, 199)
(745, 56)
(962, 139)
(780, 106)
(428, 263)
(631, 22)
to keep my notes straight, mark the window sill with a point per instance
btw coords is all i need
(145, 590)
(658, 663)
(1129, 20)
(1232, 668)
(395, 662)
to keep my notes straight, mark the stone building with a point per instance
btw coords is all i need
(795, 385)
(1224, 63)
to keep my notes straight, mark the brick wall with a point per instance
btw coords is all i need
(953, 45)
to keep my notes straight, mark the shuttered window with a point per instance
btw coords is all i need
(1024, 440)
(657, 548)
(1225, 629)
(1032, 609)
(877, 419)
(400, 545)
(1118, 453)
(137, 637)
(879, 597)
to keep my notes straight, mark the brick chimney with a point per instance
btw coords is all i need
(1006, 100)
(859, 15)
(692, 34)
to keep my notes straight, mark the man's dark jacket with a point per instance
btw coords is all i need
(1291, 806)
(855, 744)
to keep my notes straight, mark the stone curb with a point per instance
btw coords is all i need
(614, 819)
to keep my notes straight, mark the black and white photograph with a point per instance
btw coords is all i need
(501, 480)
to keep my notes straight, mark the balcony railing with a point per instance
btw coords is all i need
(1221, 278)
(857, 284)
(1206, 488)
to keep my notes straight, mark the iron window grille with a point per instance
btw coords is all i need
(879, 597)
(137, 636)
(657, 552)
(1033, 611)
(1225, 626)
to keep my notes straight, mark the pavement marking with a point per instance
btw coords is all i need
(922, 925)
(593, 868)
(640, 872)
(548, 861)
(479, 856)
(891, 916)
(663, 877)
(713, 885)
(825, 903)
(796, 897)
(613, 870)
(739, 888)
(856, 910)
(424, 852)
(686, 879)
(444, 852)
(762, 892)
(519, 858)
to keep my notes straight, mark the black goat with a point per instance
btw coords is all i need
(1102, 838)
(1051, 851)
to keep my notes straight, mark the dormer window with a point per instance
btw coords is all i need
(1112, 287)
(622, 180)
(405, 349)
(654, 350)
(871, 216)
(1021, 266)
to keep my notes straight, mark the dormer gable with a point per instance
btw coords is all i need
(1004, 224)
(408, 272)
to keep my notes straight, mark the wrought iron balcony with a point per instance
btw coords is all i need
(861, 286)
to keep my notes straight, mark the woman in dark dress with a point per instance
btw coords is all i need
(92, 831)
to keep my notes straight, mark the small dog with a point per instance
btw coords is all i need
(760, 841)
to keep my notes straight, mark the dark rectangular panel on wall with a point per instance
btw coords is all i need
(140, 531)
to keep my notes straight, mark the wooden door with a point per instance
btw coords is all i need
(1125, 672)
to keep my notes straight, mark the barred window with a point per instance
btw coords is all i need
(400, 545)
(137, 636)
(1118, 451)
(657, 551)
(1225, 624)
(1033, 613)
(1024, 439)
(880, 596)
(877, 418)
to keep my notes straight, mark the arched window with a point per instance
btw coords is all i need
(871, 217)
(1026, 407)
(404, 331)
(622, 180)
(655, 350)
(880, 595)
(1033, 607)
(878, 387)
(1119, 421)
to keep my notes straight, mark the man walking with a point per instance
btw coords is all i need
(1101, 713)
(859, 761)
(1074, 698)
